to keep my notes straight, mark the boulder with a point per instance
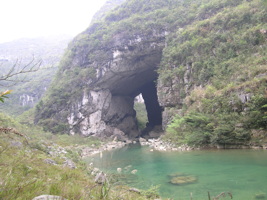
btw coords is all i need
(48, 197)
(260, 196)
(134, 171)
(16, 144)
(50, 161)
(95, 171)
(69, 164)
(182, 179)
(119, 170)
(100, 178)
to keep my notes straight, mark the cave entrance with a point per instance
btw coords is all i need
(133, 74)
(153, 111)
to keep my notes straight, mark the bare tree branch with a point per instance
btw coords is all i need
(12, 77)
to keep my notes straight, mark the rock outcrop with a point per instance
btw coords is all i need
(105, 106)
(49, 197)
(153, 49)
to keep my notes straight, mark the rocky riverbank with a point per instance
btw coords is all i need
(160, 145)
(89, 151)
(154, 144)
(157, 145)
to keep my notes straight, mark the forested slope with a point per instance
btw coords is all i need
(224, 59)
(30, 87)
(211, 76)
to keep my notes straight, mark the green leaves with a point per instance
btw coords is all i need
(264, 3)
(3, 95)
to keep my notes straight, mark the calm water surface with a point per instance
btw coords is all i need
(241, 172)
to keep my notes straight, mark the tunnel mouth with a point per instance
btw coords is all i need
(134, 74)
(121, 113)
(153, 127)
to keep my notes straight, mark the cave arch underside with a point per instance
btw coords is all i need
(107, 108)
(134, 77)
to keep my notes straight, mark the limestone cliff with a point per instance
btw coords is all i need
(175, 53)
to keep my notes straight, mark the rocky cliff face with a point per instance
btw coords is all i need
(26, 100)
(106, 105)
(177, 61)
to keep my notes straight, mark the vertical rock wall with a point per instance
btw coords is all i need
(106, 108)
(103, 115)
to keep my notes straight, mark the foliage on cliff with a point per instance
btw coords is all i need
(215, 58)
(226, 54)
(108, 6)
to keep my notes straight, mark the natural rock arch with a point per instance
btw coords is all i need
(106, 109)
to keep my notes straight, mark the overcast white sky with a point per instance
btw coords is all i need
(34, 18)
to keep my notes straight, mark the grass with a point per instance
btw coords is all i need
(24, 174)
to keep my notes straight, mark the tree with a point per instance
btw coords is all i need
(14, 75)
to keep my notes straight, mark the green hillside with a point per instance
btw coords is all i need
(212, 74)
(31, 86)
(34, 163)
(205, 75)
(227, 55)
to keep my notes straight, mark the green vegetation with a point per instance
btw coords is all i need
(33, 164)
(141, 115)
(214, 60)
(41, 54)
(108, 6)
(227, 57)
(216, 120)
(3, 95)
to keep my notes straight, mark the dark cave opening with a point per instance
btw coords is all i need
(149, 93)
(126, 85)
(153, 109)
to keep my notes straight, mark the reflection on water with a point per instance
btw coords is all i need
(241, 172)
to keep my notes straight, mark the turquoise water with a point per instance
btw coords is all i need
(241, 172)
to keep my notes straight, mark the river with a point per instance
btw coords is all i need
(242, 173)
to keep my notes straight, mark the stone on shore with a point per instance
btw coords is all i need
(70, 164)
(134, 171)
(119, 170)
(50, 161)
(100, 178)
(48, 197)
